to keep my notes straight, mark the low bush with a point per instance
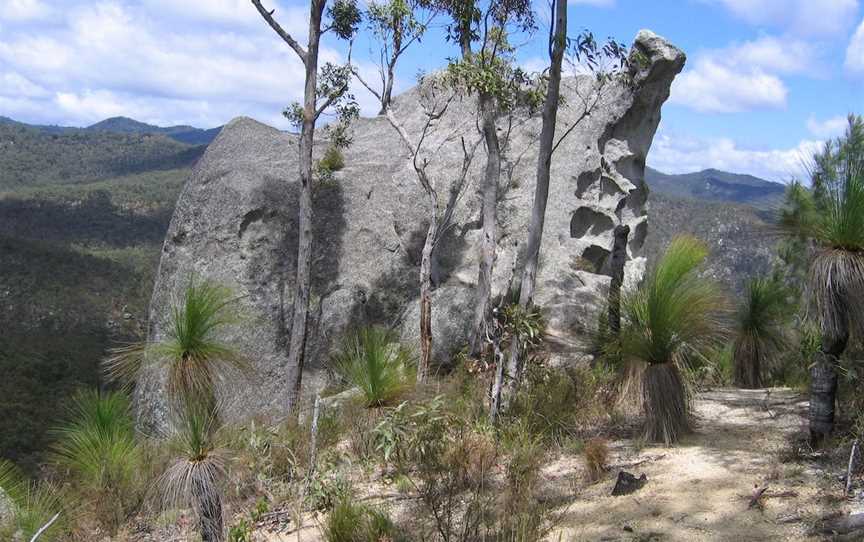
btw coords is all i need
(556, 403)
(352, 522)
(596, 456)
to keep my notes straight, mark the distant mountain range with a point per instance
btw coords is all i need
(124, 125)
(718, 186)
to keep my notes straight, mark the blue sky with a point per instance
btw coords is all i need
(766, 80)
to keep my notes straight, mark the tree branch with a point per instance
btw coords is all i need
(286, 37)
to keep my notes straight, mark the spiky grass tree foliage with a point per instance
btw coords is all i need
(27, 506)
(835, 285)
(97, 446)
(373, 360)
(195, 477)
(193, 356)
(759, 329)
(675, 314)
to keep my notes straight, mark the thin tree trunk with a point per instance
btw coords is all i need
(426, 302)
(489, 239)
(302, 283)
(617, 260)
(498, 384)
(387, 95)
(541, 193)
(823, 387)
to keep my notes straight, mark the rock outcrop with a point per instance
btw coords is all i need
(236, 222)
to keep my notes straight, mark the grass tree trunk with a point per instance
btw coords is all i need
(823, 388)
(302, 283)
(209, 509)
(748, 364)
(489, 239)
(541, 192)
(666, 405)
(617, 260)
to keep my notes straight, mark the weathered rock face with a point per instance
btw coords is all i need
(236, 222)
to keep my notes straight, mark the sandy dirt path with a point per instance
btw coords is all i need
(699, 490)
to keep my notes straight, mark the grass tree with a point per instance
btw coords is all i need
(835, 283)
(759, 329)
(195, 360)
(97, 447)
(373, 360)
(193, 356)
(321, 93)
(675, 314)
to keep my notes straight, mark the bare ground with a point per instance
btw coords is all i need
(698, 490)
(701, 488)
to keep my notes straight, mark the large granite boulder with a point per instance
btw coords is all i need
(236, 221)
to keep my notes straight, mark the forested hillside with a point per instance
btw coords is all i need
(30, 156)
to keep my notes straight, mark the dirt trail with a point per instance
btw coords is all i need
(699, 490)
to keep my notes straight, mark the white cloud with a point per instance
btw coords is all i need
(673, 154)
(827, 128)
(23, 10)
(855, 52)
(111, 57)
(714, 87)
(801, 17)
(744, 76)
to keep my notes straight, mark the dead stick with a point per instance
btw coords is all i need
(45, 527)
(313, 438)
(851, 466)
(635, 463)
(757, 494)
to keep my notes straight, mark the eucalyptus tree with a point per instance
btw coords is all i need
(835, 283)
(395, 25)
(328, 90)
(585, 51)
(490, 73)
(436, 96)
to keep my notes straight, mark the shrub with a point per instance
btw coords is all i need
(554, 403)
(333, 160)
(373, 361)
(351, 522)
(596, 456)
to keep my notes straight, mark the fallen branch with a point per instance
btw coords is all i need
(851, 466)
(45, 527)
(632, 464)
